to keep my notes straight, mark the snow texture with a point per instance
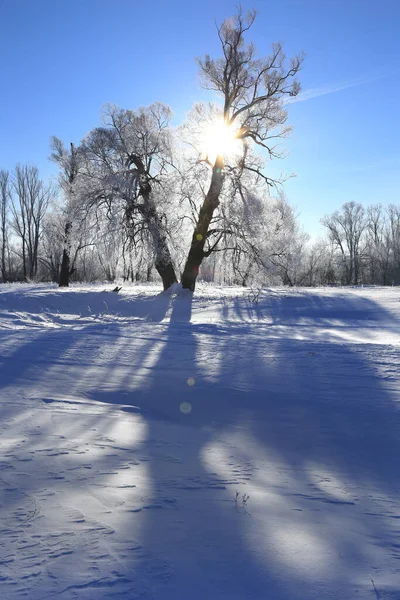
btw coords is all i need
(159, 446)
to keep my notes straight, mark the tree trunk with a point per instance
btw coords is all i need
(356, 270)
(3, 243)
(65, 271)
(163, 262)
(24, 259)
(3, 259)
(196, 252)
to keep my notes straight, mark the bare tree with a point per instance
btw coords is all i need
(5, 196)
(253, 92)
(377, 251)
(393, 213)
(28, 212)
(345, 231)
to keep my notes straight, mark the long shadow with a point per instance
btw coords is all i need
(306, 405)
(45, 378)
(216, 403)
(61, 306)
(305, 307)
(26, 356)
(200, 518)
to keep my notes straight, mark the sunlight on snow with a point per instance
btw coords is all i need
(95, 371)
(219, 458)
(126, 433)
(95, 444)
(302, 549)
(328, 482)
(274, 525)
(148, 359)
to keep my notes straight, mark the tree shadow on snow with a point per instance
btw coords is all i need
(315, 411)
(230, 409)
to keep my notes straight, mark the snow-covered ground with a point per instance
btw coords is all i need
(130, 423)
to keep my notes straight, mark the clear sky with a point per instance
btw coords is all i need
(62, 60)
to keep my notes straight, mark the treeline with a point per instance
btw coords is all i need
(361, 246)
(38, 229)
(45, 231)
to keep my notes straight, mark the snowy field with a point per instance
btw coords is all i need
(155, 447)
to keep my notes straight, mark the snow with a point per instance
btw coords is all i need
(130, 422)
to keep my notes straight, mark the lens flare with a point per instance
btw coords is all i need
(185, 408)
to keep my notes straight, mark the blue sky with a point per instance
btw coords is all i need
(62, 60)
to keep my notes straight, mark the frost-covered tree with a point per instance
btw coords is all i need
(254, 91)
(346, 228)
(73, 217)
(261, 240)
(287, 244)
(128, 173)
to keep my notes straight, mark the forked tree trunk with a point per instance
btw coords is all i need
(148, 210)
(196, 252)
(163, 262)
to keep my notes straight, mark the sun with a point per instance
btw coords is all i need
(219, 139)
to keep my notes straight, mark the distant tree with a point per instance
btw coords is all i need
(52, 245)
(287, 244)
(5, 197)
(345, 231)
(254, 91)
(318, 265)
(377, 246)
(69, 162)
(393, 215)
(28, 207)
